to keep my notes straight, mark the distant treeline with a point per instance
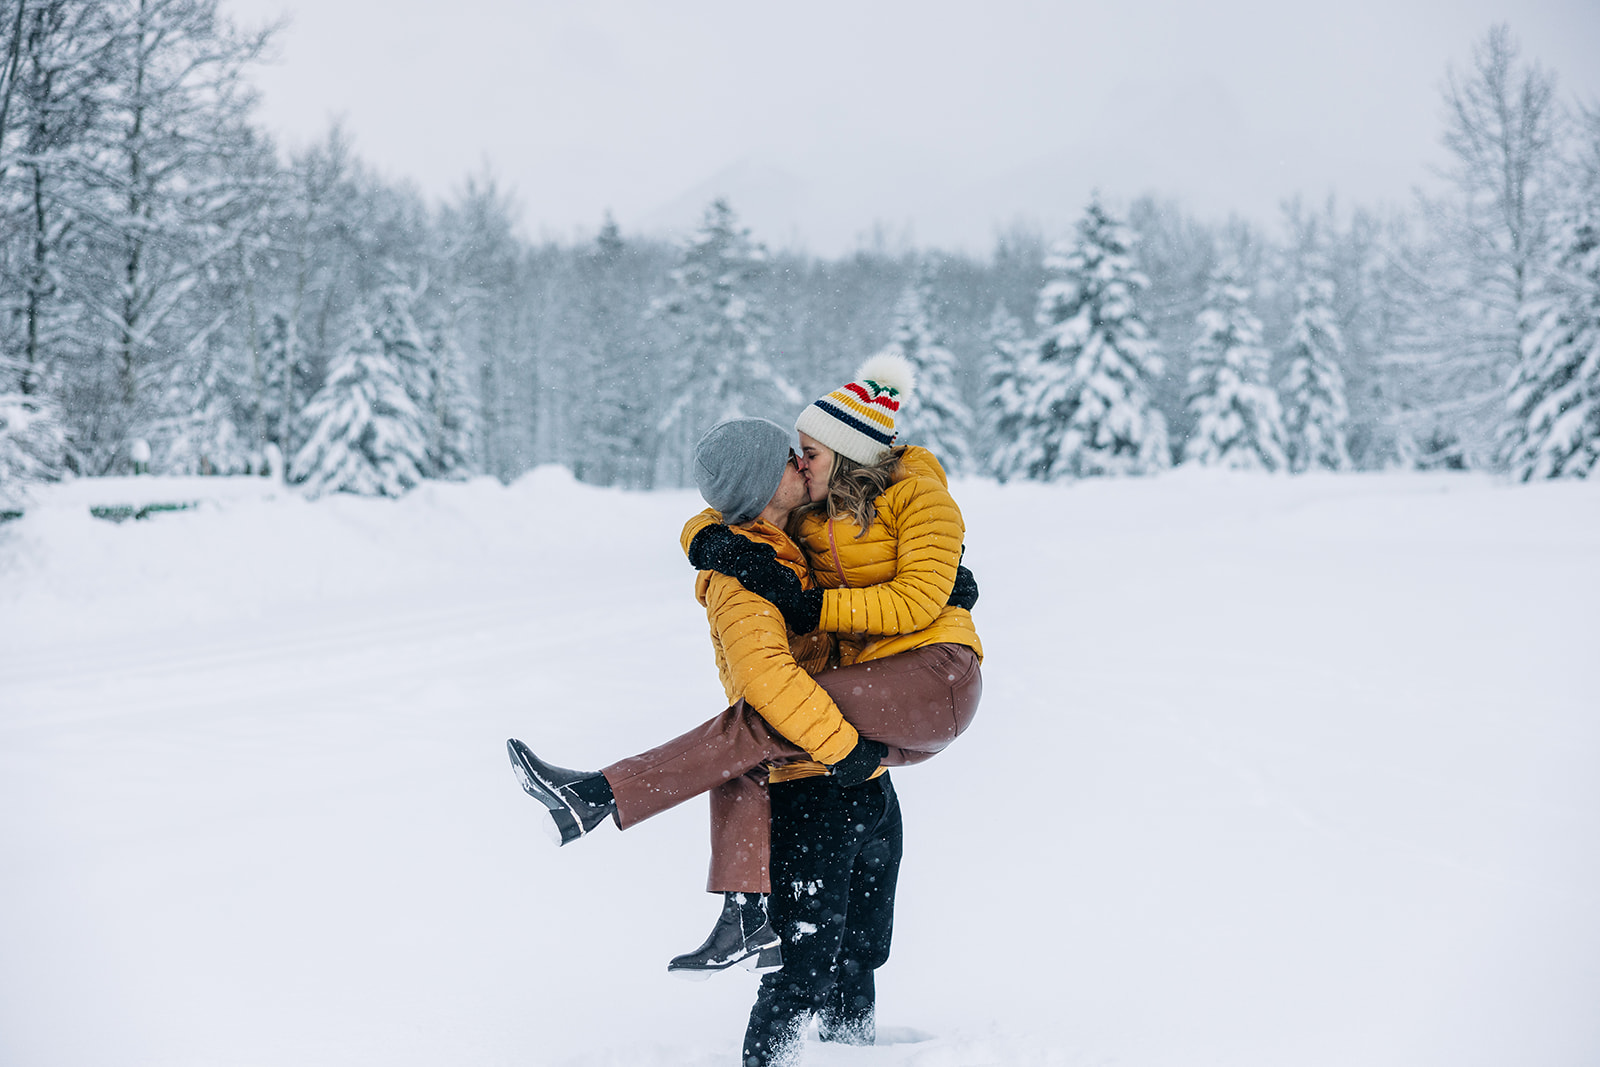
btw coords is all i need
(177, 293)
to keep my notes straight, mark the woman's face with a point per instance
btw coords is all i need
(819, 464)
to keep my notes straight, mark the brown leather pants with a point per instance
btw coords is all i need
(916, 702)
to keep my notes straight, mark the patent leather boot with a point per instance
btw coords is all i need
(562, 792)
(742, 936)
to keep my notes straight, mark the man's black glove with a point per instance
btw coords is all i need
(965, 592)
(802, 608)
(755, 566)
(858, 766)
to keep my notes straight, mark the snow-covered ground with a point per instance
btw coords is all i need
(1268, 773)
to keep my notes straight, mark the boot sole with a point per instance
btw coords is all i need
(762, 961)
(765, 961)
(566, 828)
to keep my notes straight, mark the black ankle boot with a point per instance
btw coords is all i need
(849, 1016)
(578, 801)
(742, 935)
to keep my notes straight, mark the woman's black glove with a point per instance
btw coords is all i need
(858, 766)
(965, 592)
(755, 566)
(717, 548)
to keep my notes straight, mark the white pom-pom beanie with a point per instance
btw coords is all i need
(858, 419)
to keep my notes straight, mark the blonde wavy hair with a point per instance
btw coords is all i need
(852, 489)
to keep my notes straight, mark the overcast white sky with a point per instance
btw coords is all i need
(941, 120)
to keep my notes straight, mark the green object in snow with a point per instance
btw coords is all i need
(124, 512)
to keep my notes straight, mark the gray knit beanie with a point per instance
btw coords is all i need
(738, 465)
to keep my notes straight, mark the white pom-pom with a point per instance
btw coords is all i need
(890, 369)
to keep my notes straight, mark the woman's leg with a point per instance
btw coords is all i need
(741, 838)
(919, 701)
(714, 753)
(915, 702)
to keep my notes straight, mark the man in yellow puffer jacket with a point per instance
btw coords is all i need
(748, 468)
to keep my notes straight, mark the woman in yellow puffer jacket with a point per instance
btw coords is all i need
(882, 534)
(888, 578)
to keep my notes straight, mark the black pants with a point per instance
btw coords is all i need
(835, 861)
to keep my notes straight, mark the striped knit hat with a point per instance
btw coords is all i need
(858, 419)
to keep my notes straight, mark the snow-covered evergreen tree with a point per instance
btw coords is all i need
(203, 435)
(721, 366)
(1314, 409)
(364, 432)
(496, 318)
(285, 390)
(394, 326)
(1238, 422)
(1006, 345)
(453, 418)
(1554, 398)
(617, 437)
(1082, 396)
(935, 416)
(431, 368)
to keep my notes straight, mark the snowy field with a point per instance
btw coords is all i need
(1268, 773)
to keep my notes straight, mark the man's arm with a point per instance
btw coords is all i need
(708, 517)
(907, 603)
(755, 643)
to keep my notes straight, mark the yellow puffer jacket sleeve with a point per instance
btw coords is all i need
(921, 463)
(757, 665)
(708, 517)
(927, 529)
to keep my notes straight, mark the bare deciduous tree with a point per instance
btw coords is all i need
(1503, 125)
